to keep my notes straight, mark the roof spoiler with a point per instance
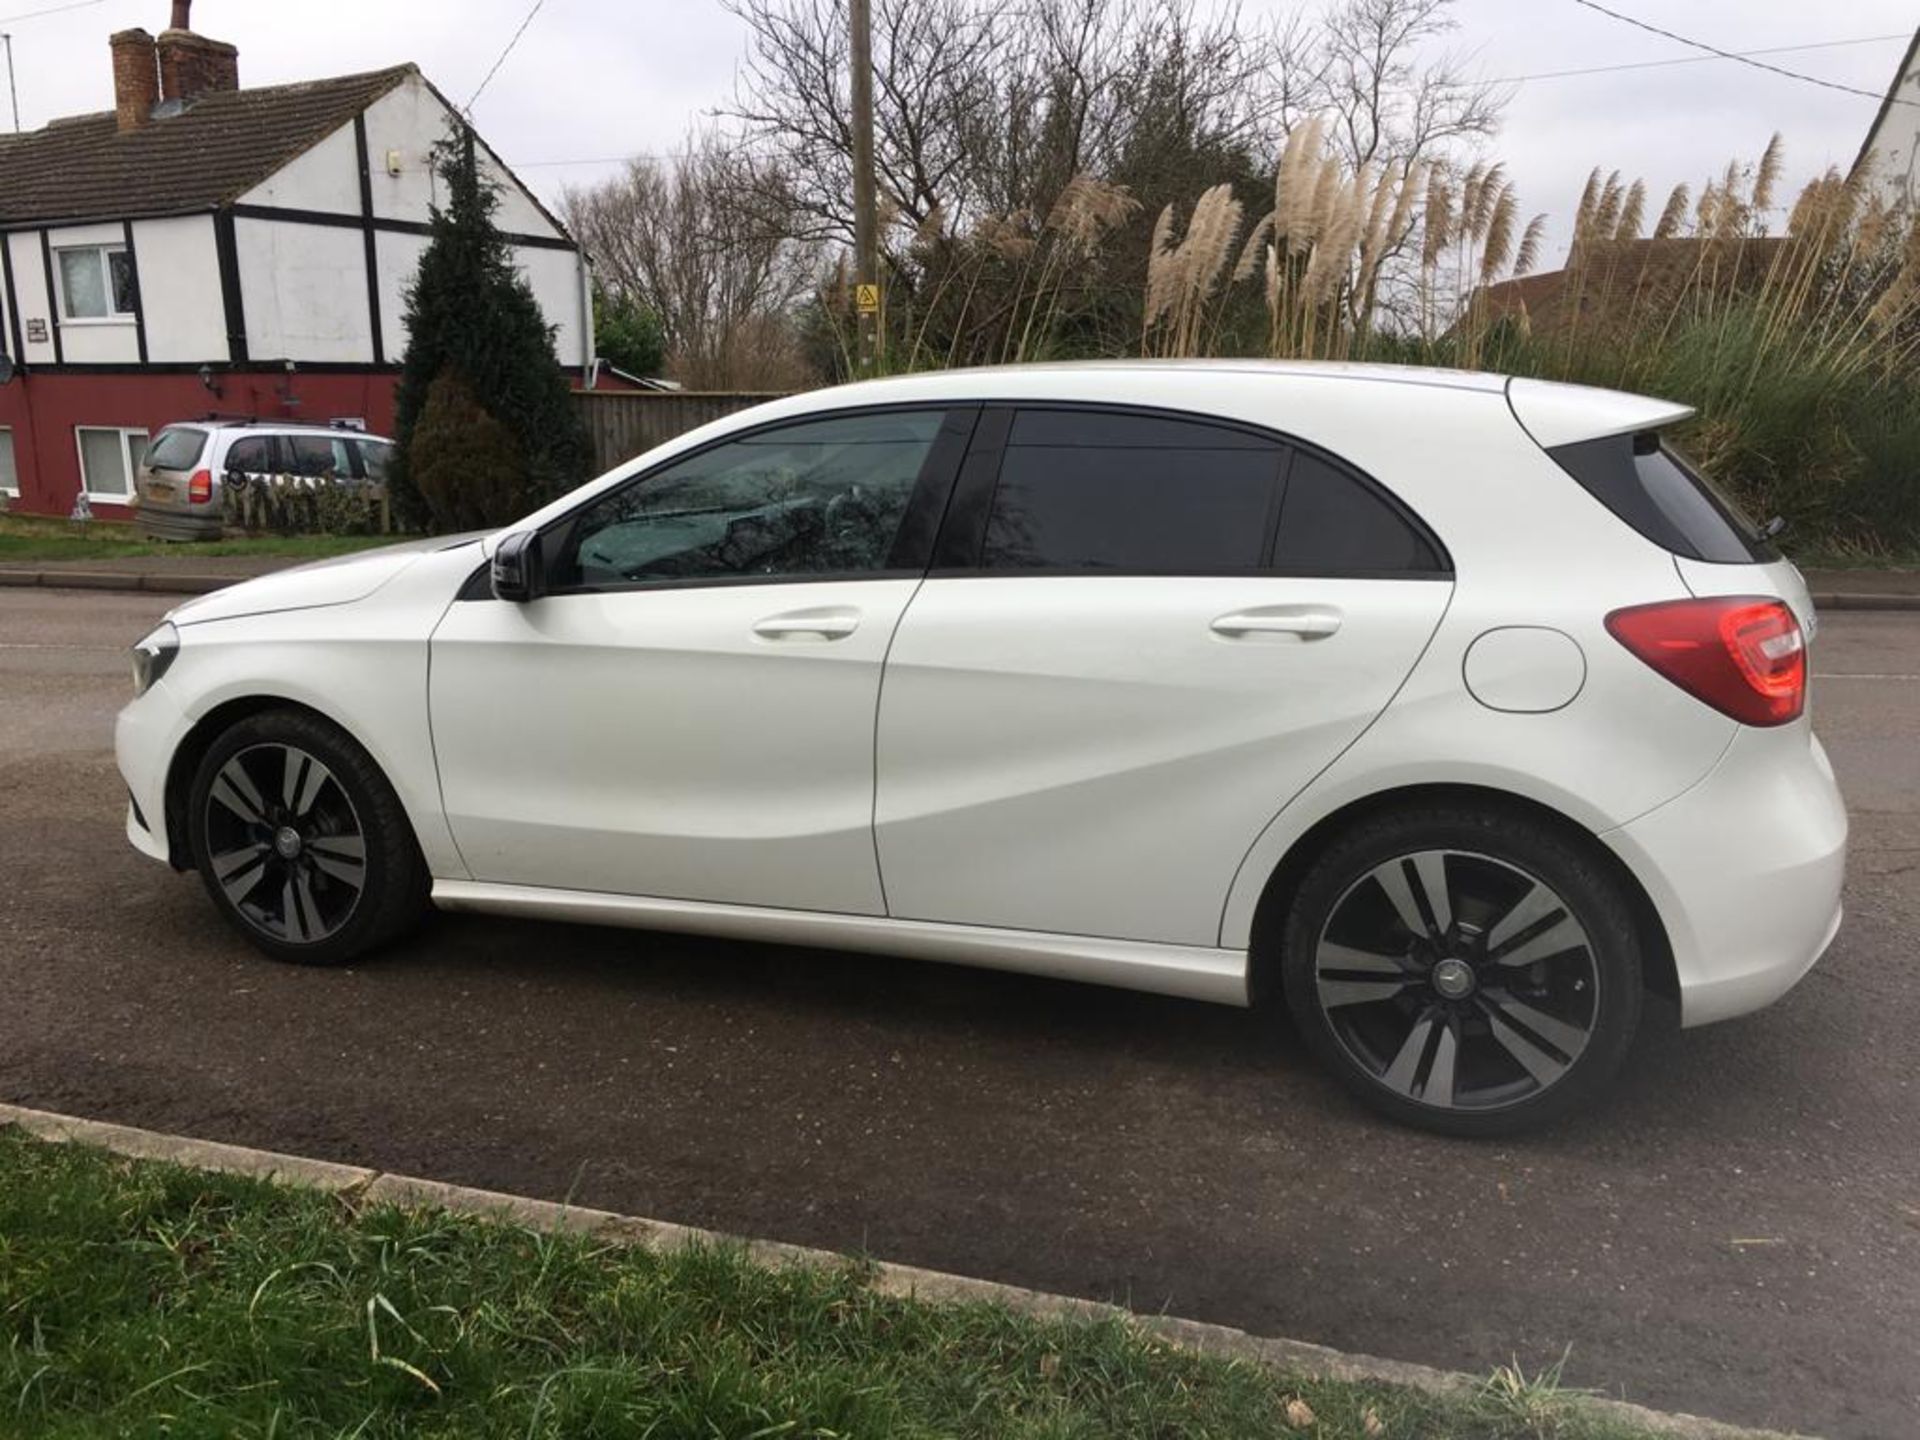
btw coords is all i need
(1555, 414)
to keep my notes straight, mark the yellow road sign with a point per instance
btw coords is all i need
(867, 297)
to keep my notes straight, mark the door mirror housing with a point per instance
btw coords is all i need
(516, 571)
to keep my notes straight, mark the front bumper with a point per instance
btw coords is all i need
(145, 736)
(1745, 870)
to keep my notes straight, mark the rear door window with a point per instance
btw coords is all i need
(252, 455)
(1334, 523)
(177, 447)
(1141, 494)
(1653, 488)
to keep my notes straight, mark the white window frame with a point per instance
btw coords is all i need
(100, 252)
(111, 497)
(12, 492)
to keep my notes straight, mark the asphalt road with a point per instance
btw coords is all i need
(1737, 1233)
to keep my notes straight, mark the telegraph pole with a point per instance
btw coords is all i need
(12, 93)
(866, 260)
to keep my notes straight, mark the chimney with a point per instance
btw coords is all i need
(192, 65)
(136, 79)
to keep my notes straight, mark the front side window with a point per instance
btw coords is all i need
(109, 459)
(176, 448)
(9, 473)
(1091, 490)
(96, 283)
(824, 497)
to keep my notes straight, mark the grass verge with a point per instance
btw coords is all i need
(23, 539)
(146, 1299)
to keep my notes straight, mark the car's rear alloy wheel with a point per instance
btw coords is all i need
(301, 841)
(285, 843)
(1466, 977)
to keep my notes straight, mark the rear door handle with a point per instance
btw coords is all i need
(1305, 622)
(826, 623)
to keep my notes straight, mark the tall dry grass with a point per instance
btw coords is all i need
(1792, 326)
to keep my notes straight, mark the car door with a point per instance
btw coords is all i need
(688, 711)
(1142, 636)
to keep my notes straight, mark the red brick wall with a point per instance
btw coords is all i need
(43, 410)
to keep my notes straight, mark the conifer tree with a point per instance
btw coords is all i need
(472, 317)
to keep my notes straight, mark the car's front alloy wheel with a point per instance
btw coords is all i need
(301, 841)
(1468, 973)
(285, 843)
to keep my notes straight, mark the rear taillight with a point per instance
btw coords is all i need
(200, 487)
(1743, 655)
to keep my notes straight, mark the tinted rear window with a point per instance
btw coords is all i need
(1136, 493)
(1655, 490)
(176, 448)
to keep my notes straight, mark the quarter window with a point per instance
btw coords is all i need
(824, 497)
(109, 459)
(9, 474)
(96, 283)
(1333, 523)
(320, 457)
(376, 457)
(1091, 490)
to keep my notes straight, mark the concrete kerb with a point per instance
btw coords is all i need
(116, 580)
(170, 584)
(366, 1185)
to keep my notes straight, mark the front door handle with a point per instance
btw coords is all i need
(829, 622)
(1304, 622)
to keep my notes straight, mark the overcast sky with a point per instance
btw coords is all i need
(594, 79)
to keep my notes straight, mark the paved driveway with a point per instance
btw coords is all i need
(1737, 1234)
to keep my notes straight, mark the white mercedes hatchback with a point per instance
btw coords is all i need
(1449, 713)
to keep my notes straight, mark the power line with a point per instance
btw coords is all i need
(1689, 60)
(474, 99)
(1500, 79)
(1873, 95)
(53, 10)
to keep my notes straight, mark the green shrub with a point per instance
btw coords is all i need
(466, 465)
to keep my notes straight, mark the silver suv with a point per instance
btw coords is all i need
(181, 483)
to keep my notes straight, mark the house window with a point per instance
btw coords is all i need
(9, 474)
(109, 459)
(96, 283)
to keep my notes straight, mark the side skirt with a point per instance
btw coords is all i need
(1191, 971)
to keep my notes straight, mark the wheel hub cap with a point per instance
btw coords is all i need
(286, 842)
(1453, 979)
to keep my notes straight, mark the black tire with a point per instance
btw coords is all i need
(349, 881)
(1530, 994)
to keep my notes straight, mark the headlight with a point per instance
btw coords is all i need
(152, 656)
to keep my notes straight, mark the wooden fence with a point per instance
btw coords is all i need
(623, 423)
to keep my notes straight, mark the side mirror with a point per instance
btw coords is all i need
(516, 567)
(235, 481)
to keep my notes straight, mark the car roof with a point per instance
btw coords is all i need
(1554, 413)
(275, 427)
